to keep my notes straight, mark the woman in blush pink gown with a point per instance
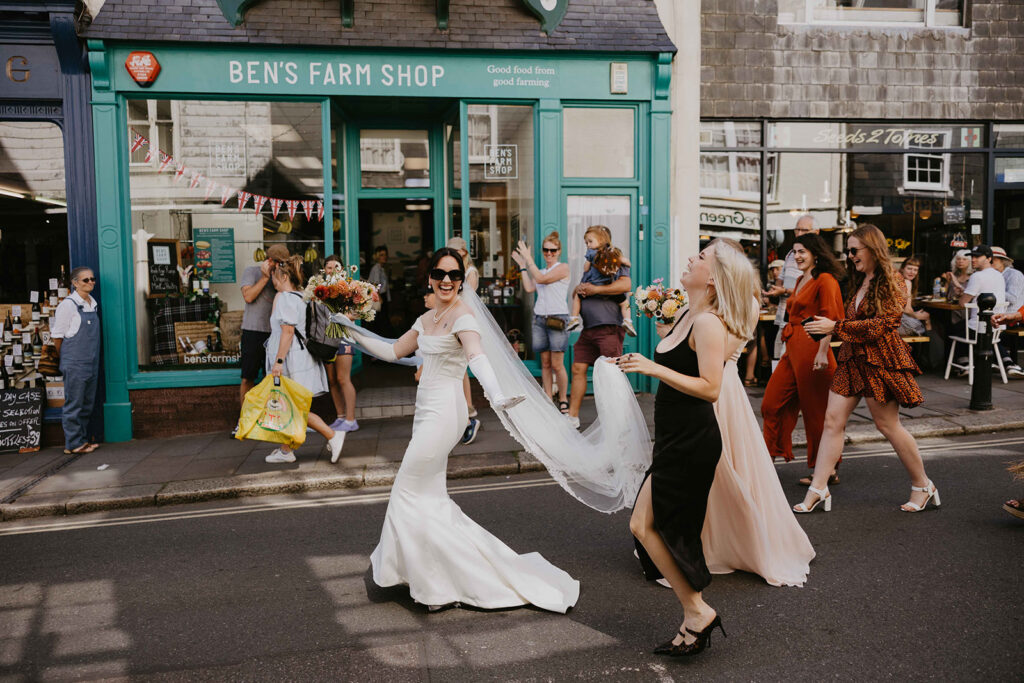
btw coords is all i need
(749, 525)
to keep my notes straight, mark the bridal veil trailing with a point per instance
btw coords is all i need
(603, 466)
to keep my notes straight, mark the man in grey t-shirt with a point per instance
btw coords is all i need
(602, 334)
(258, 292)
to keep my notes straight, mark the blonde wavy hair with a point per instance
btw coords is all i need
(735, 295)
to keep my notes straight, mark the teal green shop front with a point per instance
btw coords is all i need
(330, 151)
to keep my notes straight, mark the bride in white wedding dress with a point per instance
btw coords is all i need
(427, 542)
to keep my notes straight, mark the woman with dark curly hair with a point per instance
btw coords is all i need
(874, 363)
(801, 382)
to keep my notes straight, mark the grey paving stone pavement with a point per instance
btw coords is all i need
(193, 468)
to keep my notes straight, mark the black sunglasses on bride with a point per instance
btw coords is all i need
(454, 275)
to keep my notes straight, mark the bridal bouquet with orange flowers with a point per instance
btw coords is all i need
(659, 302)
(340, 292)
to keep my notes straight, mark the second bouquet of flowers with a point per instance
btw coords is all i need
(659, 302)
(340, 292)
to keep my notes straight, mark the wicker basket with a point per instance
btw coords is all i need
(195, 331)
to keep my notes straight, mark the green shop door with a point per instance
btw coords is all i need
(617, 210)
(396, 209)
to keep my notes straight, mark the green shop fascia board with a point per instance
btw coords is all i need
(262, 71)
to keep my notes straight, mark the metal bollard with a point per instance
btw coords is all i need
(981, 390)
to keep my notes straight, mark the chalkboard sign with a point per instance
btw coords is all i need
(163, 267)
(21, 419)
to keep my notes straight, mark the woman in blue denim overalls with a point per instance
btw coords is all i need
(75, 331)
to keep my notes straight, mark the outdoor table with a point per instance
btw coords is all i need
(938, 304)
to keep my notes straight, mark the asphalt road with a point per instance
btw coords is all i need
(279, 589)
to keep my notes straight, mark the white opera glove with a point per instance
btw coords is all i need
(484, 374)
(375, 347)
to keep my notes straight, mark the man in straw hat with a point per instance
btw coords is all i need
(1014, 280)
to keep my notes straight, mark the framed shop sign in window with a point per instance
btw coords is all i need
(162, 265)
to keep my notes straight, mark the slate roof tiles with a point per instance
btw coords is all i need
(589, 25)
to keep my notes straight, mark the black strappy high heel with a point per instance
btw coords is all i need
(684, 649)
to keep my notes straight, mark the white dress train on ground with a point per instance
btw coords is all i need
(427, 542)
(749, 524)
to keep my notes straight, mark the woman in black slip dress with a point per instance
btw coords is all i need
(668, 515)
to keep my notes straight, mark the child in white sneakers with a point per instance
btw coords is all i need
(602, 263)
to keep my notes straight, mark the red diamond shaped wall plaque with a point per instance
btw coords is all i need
(142, 67)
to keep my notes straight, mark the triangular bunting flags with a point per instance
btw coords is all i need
(197, 178)
(275, 206)
(243, 199)
(165, 159)
(258, 201)
(137, 142)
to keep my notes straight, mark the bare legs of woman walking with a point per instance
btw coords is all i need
(887, 419)
(343, 392)
(552, 370)
(698, 616)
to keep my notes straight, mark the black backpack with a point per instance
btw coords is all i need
(315, 340)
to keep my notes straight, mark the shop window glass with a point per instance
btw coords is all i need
(153, 120)
(715, 134)
(612, 156)
(583, 211)
(730, 182)
(225, 180)
(733, 174)
(34, 230)
(501, 212)
(934, 13)
(842, 191)
(1010, 170)
(481, 131)
(394, 158)
(1008, 135)
(338, 186)
(453, 177)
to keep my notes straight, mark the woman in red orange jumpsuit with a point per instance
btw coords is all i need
(802, 379)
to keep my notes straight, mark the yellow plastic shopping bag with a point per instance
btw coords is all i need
(275, 410)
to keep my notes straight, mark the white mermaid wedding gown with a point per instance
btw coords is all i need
(427, 542)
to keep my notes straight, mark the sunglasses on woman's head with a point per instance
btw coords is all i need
(852, 251)
(440, 274)
(549, 251)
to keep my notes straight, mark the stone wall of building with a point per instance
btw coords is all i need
(753, 66)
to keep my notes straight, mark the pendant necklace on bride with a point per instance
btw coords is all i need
(437, 316)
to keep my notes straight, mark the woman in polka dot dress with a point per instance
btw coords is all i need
(874, 363)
